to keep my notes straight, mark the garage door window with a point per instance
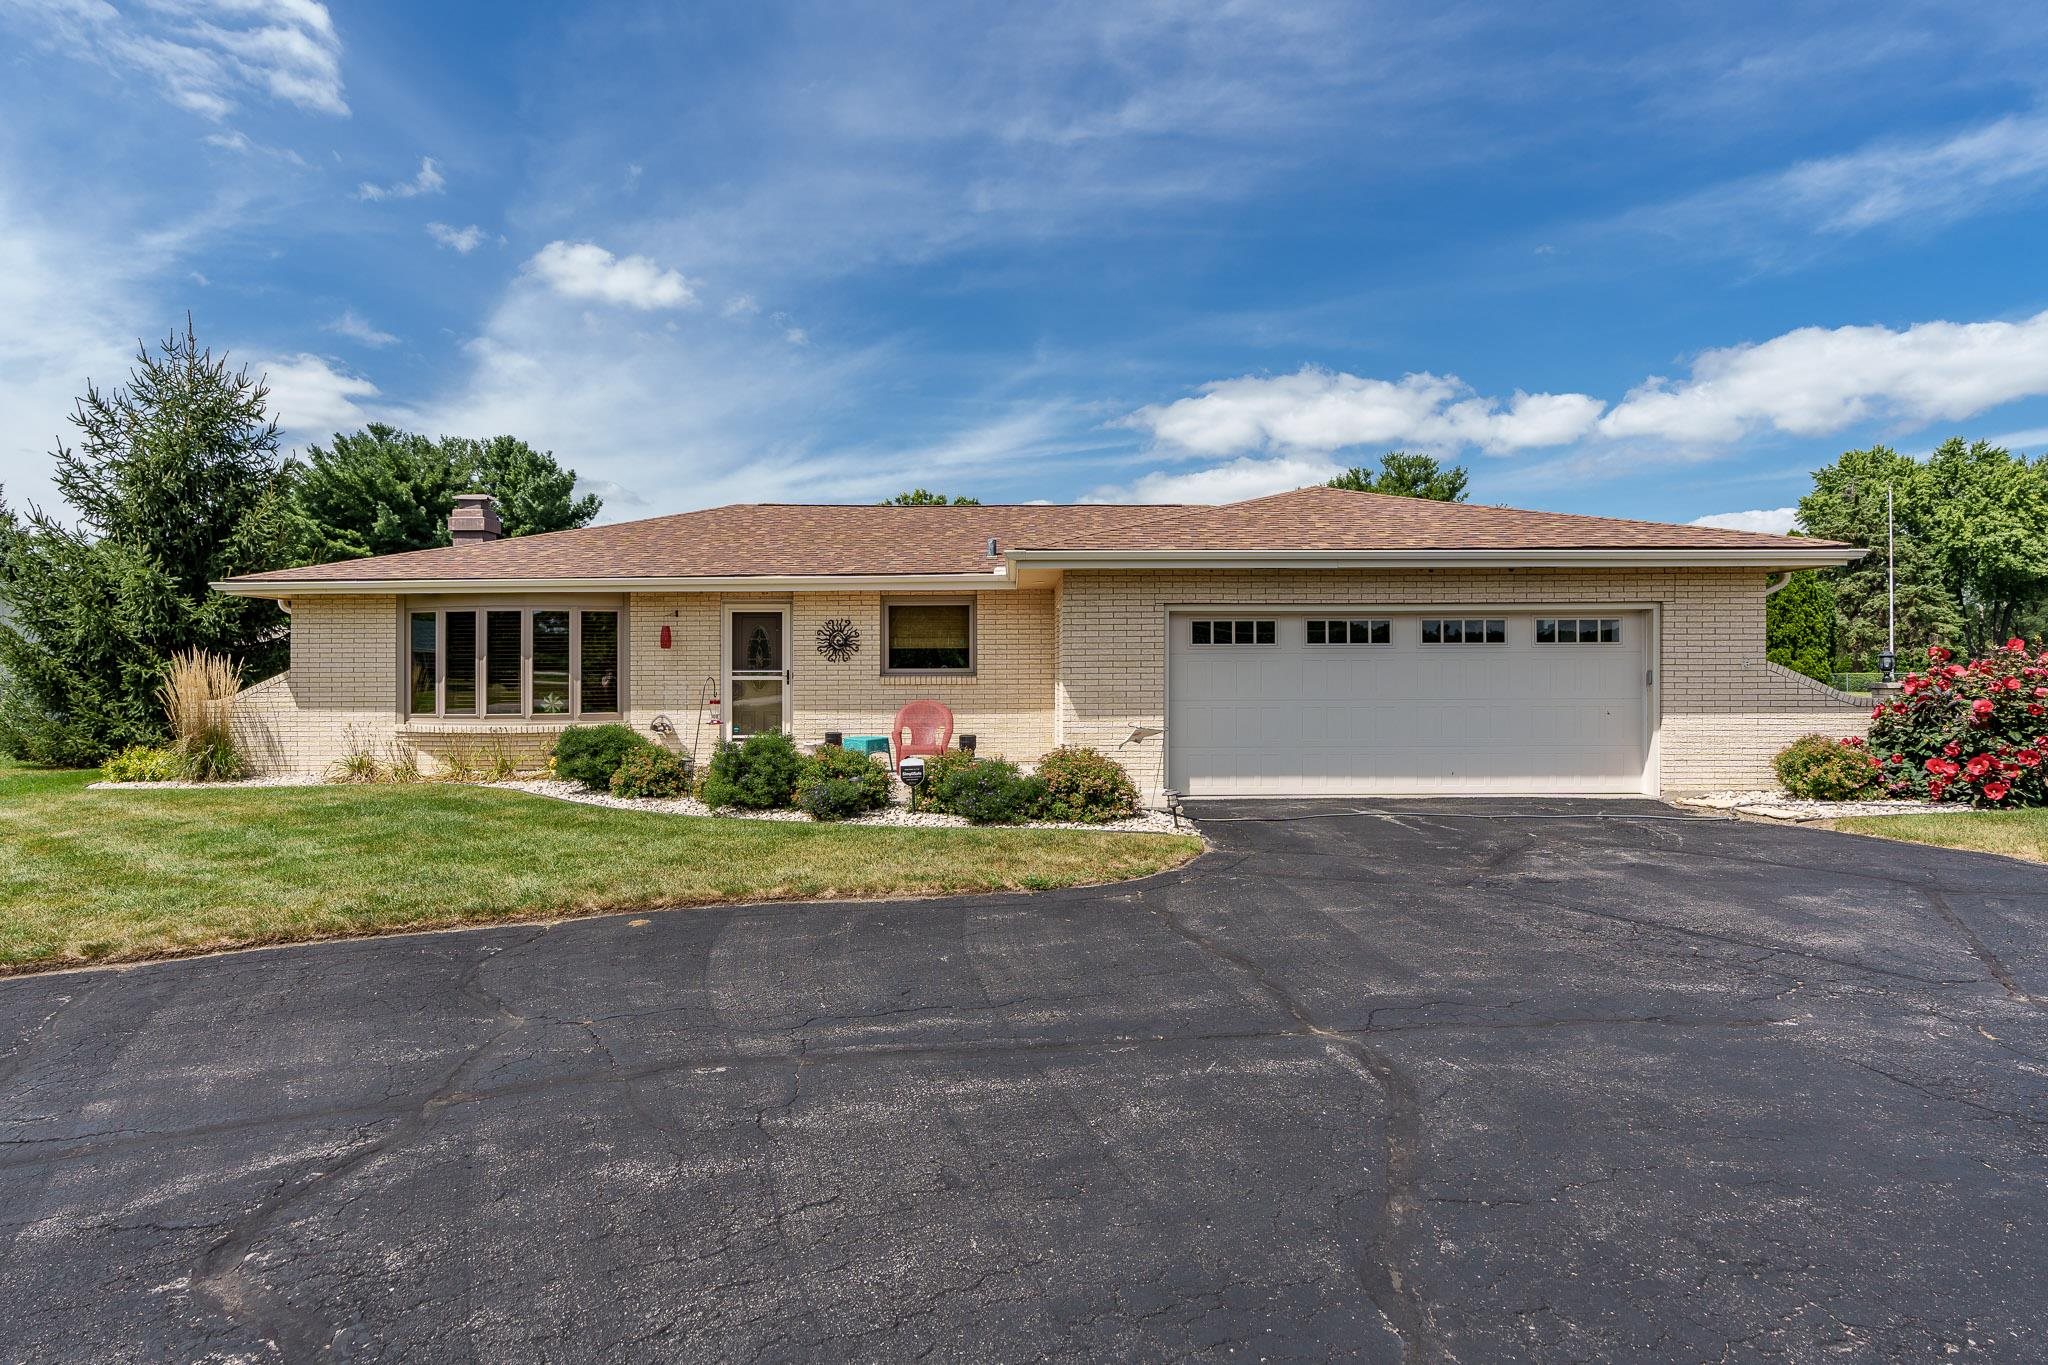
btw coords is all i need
(1368, 632)
(1232, 632)
(1578, 631)
(1445, 631)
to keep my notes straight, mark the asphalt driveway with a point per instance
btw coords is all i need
(1432, 1086)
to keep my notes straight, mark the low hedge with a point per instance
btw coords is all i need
(837, 783)
(759, 772)
(1818, 768)
(591, 754)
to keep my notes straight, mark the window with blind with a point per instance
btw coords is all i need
(928, 637)
(514, 662)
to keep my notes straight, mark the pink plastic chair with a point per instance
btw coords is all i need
(923, 727)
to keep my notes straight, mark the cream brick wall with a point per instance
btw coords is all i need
(343, 687)
(1006, 705)
(1725, 711)
(1082, 663)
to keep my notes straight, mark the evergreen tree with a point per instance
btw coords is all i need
(534, 494)
(1407, 476)
(376, 492)
(175, 483)
(1799, 625)
(380, 491)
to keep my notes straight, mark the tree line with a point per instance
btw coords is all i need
(1971, 556)
(177, 480)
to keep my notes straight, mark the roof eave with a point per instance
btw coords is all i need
(993, 580)
(1760, 557)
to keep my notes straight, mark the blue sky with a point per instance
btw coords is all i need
(1660, 266)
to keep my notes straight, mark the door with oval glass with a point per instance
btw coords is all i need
(757, 669)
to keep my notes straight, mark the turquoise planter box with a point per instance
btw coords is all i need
(867, 744)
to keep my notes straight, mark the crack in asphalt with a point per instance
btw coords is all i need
(1382, 1279)
(222, 1275)
(2000, 973)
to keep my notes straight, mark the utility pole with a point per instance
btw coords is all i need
(1891, 591)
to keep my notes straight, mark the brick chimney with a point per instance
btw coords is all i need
(474, 520)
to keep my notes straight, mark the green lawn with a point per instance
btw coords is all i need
(106, 876)
(2015, 833)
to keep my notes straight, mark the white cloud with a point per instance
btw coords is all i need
(207, 54)
(461, 239)
(357, 328)
(1317, 411)
(1911, 185)
(584, 270)
(1815, 381)
(1775, 520)
(311, 398)
(427, 180)
(740, 306)
(1806, 383)
(797, 336)
(1232, 482)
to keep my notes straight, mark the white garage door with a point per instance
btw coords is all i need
(1287, 704)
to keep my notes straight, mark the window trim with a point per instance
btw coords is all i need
(889, 604)
(1600, 624)
(1463, 621)
(1212, 619)
(1347, 642)
(481, 715)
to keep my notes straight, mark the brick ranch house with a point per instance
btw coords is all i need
(1318, 642)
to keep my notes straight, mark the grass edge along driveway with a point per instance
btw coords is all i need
(2014, 833)
(118, 876)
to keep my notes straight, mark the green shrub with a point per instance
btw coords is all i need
(837, 783)
(985, 791)
(758, 773)
(590, 754)
(651, 771)
(1085, 786)
(939, 771)
(143, 763)
(1817, 768)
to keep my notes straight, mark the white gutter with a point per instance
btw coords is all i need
(377, 587)
(1790, 557)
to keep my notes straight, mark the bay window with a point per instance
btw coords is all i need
(513, 662)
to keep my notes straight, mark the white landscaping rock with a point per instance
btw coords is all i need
(1775, 805)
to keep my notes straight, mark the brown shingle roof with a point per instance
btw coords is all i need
(791, 540)
(745, 540)
(1322, 518)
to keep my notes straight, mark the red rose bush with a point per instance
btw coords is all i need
(1972, 731)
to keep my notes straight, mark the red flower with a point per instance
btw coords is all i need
(1936, 788)
(2013, 684)
(1938, 654)
(1981, 708)
(2036, 709)
(1955, 670)
(2028, 758)
(1996, 790)
(1877, 711)
(1898, 758)
(1952, 749)
(1978, 766)
(2016, 645)
(2041, 691)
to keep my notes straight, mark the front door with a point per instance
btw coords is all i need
(757, 669)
